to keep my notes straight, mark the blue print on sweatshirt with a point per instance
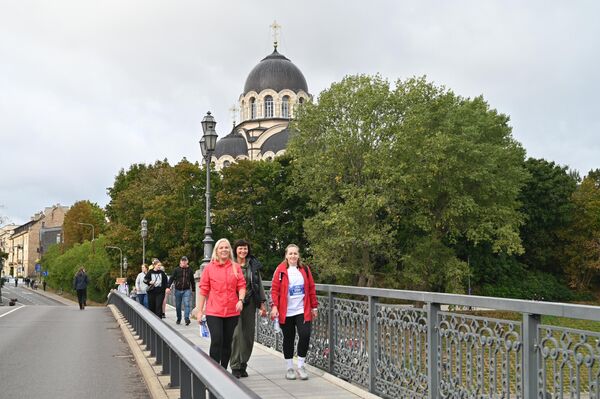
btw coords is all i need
(296, 290)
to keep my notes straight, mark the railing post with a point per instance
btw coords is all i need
(331, 333)
(432, 350)
(530, 365)
(186, 381)
(174, 366)
(372, 339)
(166, 362)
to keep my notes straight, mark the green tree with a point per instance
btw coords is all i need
(171, 198)
(583, 234)
(547, 206)
(393, 174)
(82, 212)
(255, 203)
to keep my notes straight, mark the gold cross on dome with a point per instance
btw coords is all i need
(276, 27)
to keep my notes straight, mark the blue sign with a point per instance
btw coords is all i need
(45, 273)
(38, 267)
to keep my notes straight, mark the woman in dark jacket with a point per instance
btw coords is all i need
(80, 283)
(243, 336)
(157, 284)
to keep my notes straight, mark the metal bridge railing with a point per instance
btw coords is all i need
(190, 369)
(410, 344)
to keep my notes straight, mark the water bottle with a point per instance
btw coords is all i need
(204, 332)
(276, 325)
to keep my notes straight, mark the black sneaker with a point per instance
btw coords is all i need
(244, 373)
(187, 322)
(178, 321)
(236, 373)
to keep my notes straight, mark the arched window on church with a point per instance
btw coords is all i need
(252, 108)
(285, 107)
(226, 164)
(301, 100)
(268, 107)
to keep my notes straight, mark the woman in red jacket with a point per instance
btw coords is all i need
(223, 283)
(294, 304)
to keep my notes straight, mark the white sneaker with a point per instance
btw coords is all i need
(302, 373)
(290, 374)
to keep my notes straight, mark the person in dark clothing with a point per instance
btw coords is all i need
(44, 284)
(183, 279)
(157, 284)
(80, 283)
(243, 336)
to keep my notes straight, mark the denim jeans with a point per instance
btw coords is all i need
(143, 299)
(184, 295)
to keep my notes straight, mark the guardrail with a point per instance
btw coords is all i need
(190, 369)
(426, 348)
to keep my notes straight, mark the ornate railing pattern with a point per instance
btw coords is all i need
(416, 350)
(569, 362)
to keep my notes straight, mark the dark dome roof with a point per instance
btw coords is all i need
(277, 142)
(275, 72)
(233, 144)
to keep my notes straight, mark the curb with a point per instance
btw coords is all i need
(155, 387)
(54, 296)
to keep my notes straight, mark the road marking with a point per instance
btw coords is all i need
(10, 311)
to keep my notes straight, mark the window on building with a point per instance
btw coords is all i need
(301, 100)
(268, 107)
(226, 164)
(285, 107)
(252, 108)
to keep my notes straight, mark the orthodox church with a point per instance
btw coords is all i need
(272, 91)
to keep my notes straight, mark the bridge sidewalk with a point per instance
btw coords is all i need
(266, 371)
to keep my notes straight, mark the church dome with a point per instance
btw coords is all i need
(233, 144)
(275, 72)
(277, 142)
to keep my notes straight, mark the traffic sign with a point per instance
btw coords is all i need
(45, 273)
(38, 267)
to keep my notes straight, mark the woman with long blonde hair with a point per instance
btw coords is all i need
(224, 279)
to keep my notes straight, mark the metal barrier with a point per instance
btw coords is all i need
(190, 369)
(426, 348)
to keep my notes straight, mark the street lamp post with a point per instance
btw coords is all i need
(125, 266)
(121, 253)
(144, 235)
(92, 226)
(208, 142)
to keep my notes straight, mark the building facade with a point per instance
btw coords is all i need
(272, 92)
(25, 244)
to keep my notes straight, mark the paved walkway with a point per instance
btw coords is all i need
(266, 371)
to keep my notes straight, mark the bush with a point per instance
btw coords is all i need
(527, 284)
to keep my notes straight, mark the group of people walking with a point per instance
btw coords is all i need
(152, 286)
(231, 291)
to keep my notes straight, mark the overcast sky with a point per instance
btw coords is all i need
(90, 87)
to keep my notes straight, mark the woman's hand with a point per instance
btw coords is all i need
(239, 306)
(263, 310)
(274, 312)
(199, 315)
(314, 313)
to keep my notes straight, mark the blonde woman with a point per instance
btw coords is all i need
(225, 280)
(157, 284)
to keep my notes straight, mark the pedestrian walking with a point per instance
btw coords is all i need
(295, 305)
(44, 284)
(157, 284)
(80, 283)
(243, 335)
(223, 282)
(140, 286)
(182, 280)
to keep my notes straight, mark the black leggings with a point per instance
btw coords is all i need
(155, 301)
(82, 297)
(221, 336)
(292, 324)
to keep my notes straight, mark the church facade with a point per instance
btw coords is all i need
(273, 90)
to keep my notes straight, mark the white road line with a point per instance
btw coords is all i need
(10, 311)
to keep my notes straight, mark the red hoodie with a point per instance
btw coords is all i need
(279, 291)
(221, 287)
